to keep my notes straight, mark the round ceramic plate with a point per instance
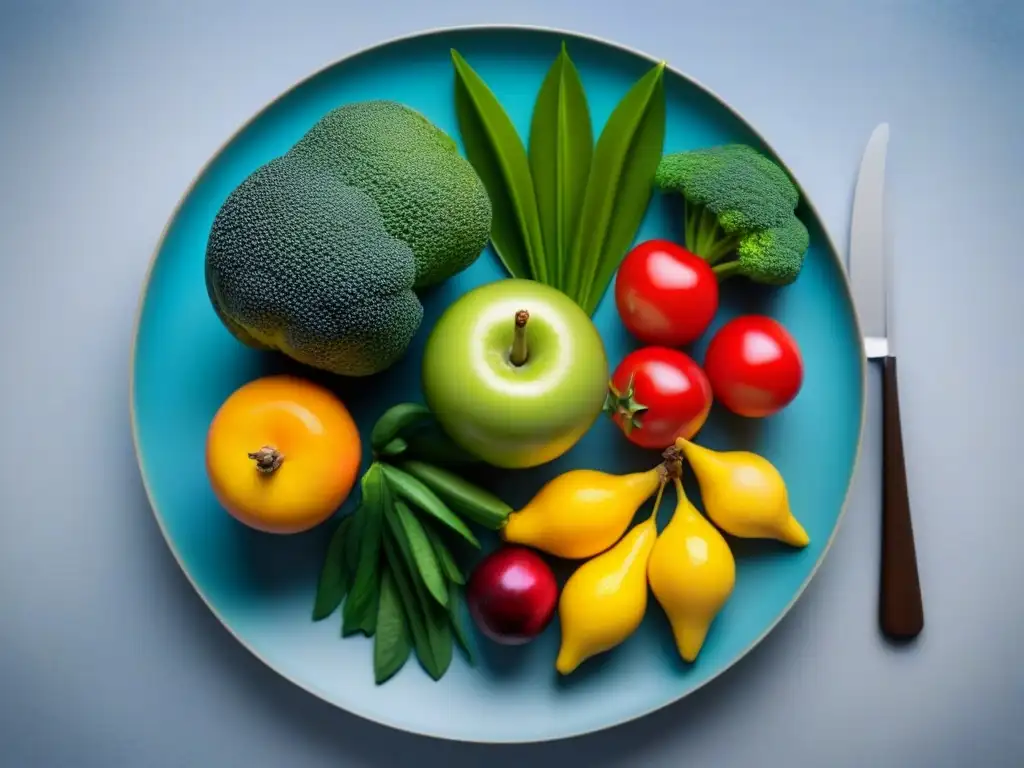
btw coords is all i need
(262, 587)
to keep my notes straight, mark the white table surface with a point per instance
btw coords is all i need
(108, 109)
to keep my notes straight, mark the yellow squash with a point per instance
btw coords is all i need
(604, 601)
(581, 512)
(692, 573)
(744, 494)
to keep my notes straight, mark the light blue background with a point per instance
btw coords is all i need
(107, 110)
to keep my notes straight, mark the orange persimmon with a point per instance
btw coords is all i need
(282, 454)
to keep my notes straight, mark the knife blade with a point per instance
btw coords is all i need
(901, 611)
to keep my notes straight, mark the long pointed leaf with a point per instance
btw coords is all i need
(561, 147)
(418, 495)
(495, 150)
(360, 611)
(391, 645)
(411, 605)
(334, 575)
(423, 554)
(619, 187)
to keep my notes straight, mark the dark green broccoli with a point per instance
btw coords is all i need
(738, 203)
(429, 195)
(300, 262)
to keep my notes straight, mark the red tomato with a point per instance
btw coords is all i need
(658, 394)
(665, 294)
(754, 365)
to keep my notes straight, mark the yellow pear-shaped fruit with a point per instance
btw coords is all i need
(604, 601)
(581, 512)
(692, 573)
(744, 494)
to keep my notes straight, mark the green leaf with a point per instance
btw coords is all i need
(449, 567)
(423, 555)
(334, 575)
(419, 496)
(455, 604)
(360, 611)
(496, 152)
(410, 603)
(391, 645)
(619, 188)
(439, 635)
(436, 654)
(561, 147)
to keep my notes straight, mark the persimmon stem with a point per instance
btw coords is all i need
(519, 353)
(267, 459)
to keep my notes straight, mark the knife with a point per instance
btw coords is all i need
(901, 613)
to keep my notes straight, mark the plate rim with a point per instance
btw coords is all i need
(831, 247)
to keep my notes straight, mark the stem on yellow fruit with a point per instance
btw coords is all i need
(518, 354)
(267, 459)
(661, 491)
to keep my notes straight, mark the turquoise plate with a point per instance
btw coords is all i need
(261, 587)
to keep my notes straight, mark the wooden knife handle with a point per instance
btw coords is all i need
(901, 612)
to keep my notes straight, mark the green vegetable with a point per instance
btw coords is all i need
(423, 555)
(318, 253)
(430, 648)
(391, 646)
(566, 214)
(561, 147)
(445, 558)
(429, 196)
(394, 421)
(420, 496)
(455, 603)
(360, 612)
(494, 149)
(336, 294)
(739, 211)
(770, 256)
(619, 188)
(472, 502)
(388, 563)
(334, 575)
(411, 604)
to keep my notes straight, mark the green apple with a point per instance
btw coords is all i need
(515, 372)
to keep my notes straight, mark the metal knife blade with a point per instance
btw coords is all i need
(900, 606)
(869, 275)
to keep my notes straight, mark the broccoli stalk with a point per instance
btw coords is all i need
(704, 236)
(739, 212)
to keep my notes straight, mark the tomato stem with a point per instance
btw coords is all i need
(519, 351)
(267, 459)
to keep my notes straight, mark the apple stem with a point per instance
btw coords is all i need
(519, 353)
(267, 459)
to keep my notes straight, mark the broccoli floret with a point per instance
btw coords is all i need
(737, 199)
(429, 195)
(770, 256)
(300, 262)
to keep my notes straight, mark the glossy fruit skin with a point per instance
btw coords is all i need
(605, 599)
(580, 513)
(507, 415)
(665, 294)
(754, 365)
(657, 395)
(744, 494)
(512, 595)
(692, 573)
(313, 430)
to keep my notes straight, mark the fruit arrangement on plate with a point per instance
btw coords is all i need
(323, 255)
